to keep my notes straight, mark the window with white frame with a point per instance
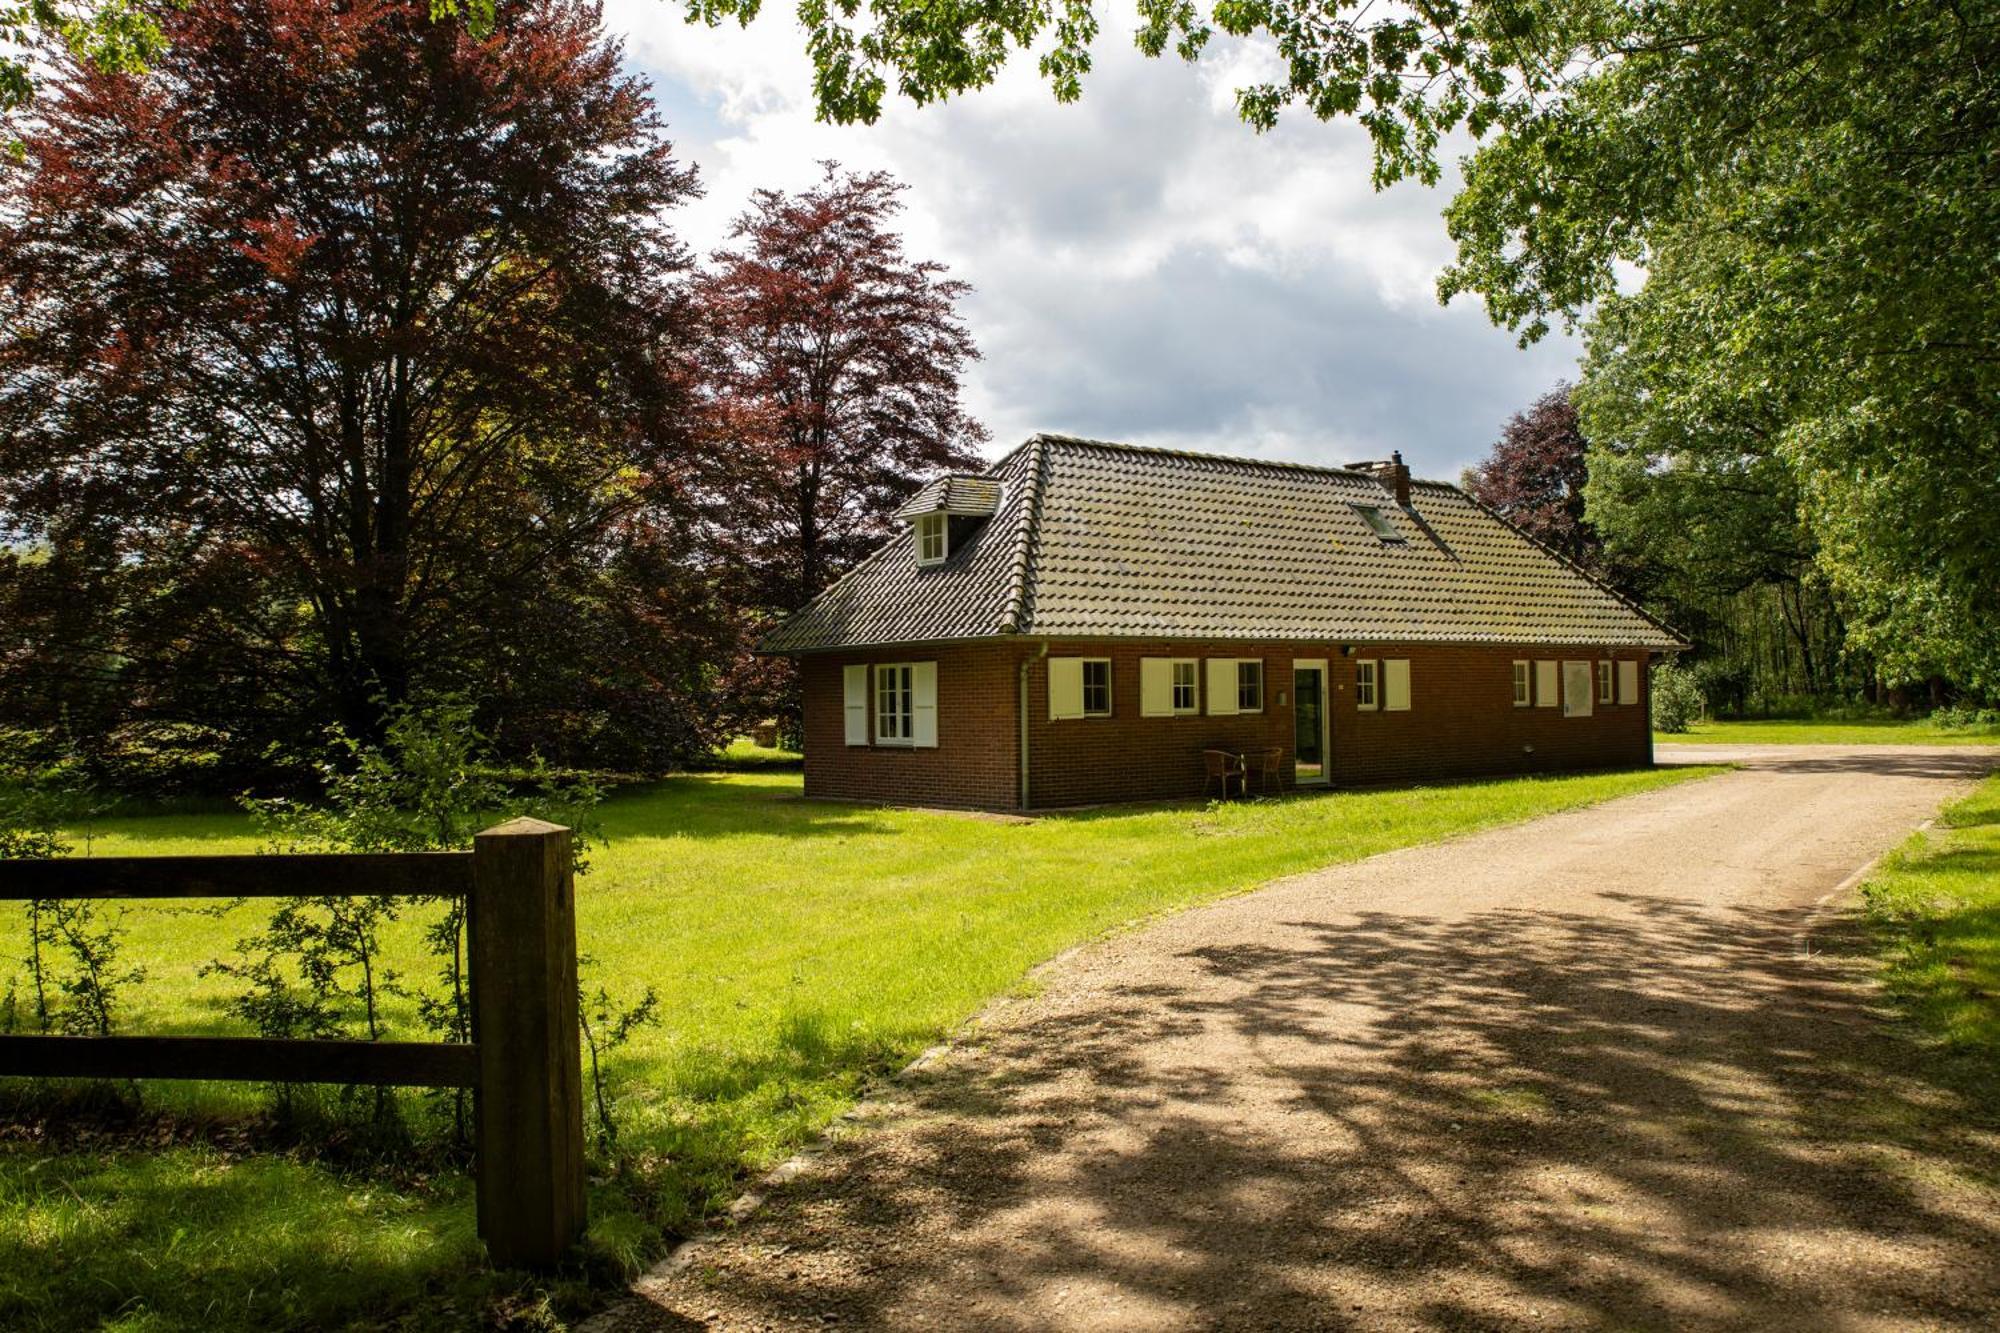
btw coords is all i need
(1097, 687)
(1523, 690)
(1605, 687)
(1250, 685)
(1366, 677)
(1186, 689)
(895, 704)
(933, 538)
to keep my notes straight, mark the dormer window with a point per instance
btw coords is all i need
(933, 538)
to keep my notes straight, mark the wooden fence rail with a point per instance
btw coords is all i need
(523, 1063)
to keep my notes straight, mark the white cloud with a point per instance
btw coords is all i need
(1146, 267)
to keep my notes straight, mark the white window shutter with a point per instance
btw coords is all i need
(1396, 685)
(1156, 687)
(1547, 685)
(1065, 688)
(1579, 686)
(854, 682)
(1628, 682)
(923, 705)
(1221, 686)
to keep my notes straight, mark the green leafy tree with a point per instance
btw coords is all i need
(1697, 508)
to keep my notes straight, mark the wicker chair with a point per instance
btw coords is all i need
(1224, 767)
(1264, 766)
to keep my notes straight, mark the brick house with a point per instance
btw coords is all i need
(1081, 622)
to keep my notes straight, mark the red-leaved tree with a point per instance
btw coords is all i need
(1534, 476)
(343, 355)
(835, 380)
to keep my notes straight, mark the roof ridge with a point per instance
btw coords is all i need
(1602, 585)
(1282, 464)
(1015, 608)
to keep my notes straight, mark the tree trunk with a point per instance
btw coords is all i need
(812, 559)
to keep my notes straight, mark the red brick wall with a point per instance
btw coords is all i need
(1462, 722)
(976, 762)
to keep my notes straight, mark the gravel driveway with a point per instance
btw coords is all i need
(1610, 1068)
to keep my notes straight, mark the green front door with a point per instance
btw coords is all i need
(1309, 736)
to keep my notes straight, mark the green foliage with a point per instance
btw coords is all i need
(1963, 718)
(74, 945)
(31, 819)
(430, 785)
(1694, 507)
(1409, 75)
(1848, 727)
(1677, 698)
(1808, 188)
(607, 1026)
(77, 994)
(115, 36)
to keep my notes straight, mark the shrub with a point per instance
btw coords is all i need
(430, 785)
(1959, 717)
(1676, 699)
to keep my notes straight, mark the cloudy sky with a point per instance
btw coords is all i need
(1146, 268)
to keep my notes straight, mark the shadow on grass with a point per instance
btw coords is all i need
(189, 1237)
(712, 806)
(1661, 1115)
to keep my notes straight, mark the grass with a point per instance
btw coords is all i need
(1935, 907)
(1811, 731)
(799, 948)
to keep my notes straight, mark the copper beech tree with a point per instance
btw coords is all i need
(343, 354)
(1534, 476)
(835, 363)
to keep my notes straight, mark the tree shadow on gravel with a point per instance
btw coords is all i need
(1665, 1115)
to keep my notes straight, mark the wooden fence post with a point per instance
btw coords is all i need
(522, 927)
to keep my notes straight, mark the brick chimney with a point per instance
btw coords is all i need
(1393, 473)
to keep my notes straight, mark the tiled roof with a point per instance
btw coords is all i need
(1093, 540)
(973, 497)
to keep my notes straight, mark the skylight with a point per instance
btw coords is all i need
(1378, 523)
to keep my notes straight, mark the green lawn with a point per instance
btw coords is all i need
(1935, 905)
(799, 948)
(1807, 731)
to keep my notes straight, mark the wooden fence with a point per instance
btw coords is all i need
(523, 1063)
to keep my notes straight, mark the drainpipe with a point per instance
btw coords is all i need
(1024, 733)
(1024, 723)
